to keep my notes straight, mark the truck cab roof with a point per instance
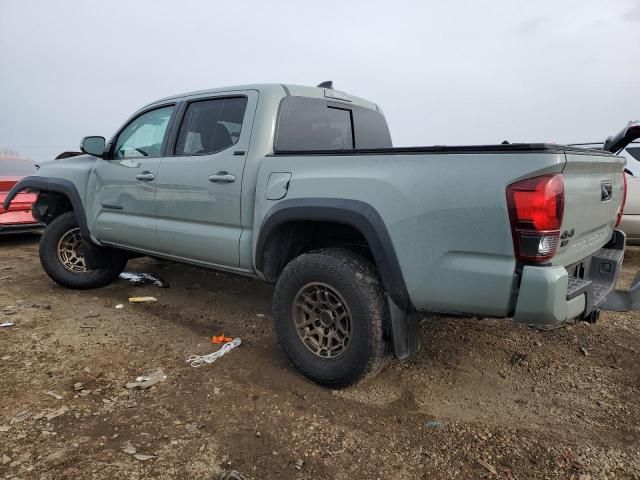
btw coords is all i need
(281, 90)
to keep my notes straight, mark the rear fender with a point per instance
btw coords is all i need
(404, 328)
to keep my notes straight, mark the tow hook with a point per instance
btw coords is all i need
(624, 300)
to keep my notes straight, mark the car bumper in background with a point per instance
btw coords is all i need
(20, 228)
(554, 294)
(630, 225)
(18, 221)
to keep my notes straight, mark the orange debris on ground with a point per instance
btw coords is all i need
(220, 339)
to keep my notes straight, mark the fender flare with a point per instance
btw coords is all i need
(360, 215)
(58, 185)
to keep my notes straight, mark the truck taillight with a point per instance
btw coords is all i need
(624, 199)
(536, 206)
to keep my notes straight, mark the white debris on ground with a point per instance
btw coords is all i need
(147, 381)
(142, 278)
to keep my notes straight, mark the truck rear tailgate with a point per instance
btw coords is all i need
(594, 190)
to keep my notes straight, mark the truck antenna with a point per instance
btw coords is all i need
(328, 84)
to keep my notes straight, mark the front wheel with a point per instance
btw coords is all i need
(330, 314)
(63, 259)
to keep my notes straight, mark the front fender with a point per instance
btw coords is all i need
(58, 185)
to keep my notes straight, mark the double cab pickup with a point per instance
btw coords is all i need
(302, 187)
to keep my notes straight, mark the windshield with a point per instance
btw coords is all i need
(634, 152)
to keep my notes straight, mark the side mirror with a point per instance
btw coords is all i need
(93, 146)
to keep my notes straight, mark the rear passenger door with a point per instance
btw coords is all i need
(199, 182)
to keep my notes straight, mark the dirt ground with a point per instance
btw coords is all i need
(484, 398)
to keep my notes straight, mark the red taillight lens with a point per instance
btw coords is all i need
(624, 199)
(536, 206)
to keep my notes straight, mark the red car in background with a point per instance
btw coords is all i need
(18, 218)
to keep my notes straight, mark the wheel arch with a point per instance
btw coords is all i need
(356, 214)
(61, 191)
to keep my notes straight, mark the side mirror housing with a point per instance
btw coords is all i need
(93, 146)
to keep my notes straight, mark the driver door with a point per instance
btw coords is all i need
(125, 182)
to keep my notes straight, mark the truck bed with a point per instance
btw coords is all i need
(447, 216)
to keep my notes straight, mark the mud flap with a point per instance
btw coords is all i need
(95, 257)
(624, 300)
(405, 331)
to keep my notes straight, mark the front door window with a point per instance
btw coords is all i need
(144, 136)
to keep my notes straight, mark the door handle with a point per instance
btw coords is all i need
(222, 177)
(145, 176)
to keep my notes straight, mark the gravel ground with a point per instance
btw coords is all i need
(483, 399)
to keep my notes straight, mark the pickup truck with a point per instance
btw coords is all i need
(301, 187)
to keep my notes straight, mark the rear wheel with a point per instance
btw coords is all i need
(329, 313)
(63, 258)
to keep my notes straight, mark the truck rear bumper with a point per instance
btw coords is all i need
(551, 295)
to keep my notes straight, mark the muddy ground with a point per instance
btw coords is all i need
(484, 398)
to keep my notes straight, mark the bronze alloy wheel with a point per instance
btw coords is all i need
(322, 320)
(69, 253)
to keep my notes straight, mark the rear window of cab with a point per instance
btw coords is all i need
(316, 124)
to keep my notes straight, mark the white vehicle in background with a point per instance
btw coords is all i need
(626, 142)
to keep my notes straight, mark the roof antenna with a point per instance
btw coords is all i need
(328, 84)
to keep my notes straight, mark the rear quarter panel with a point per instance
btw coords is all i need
(445, 213)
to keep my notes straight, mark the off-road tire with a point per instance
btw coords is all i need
(354, 279)
(114, 261)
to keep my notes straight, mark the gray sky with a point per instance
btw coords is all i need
(457, 72)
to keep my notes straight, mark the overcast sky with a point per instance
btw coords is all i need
(457, 72)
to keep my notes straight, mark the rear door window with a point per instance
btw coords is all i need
(210, 126)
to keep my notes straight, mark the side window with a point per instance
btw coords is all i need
(210, 126)
(143, 137)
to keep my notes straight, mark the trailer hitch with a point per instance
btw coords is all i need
(624, 300)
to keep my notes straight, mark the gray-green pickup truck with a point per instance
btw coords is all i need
(301, 186)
